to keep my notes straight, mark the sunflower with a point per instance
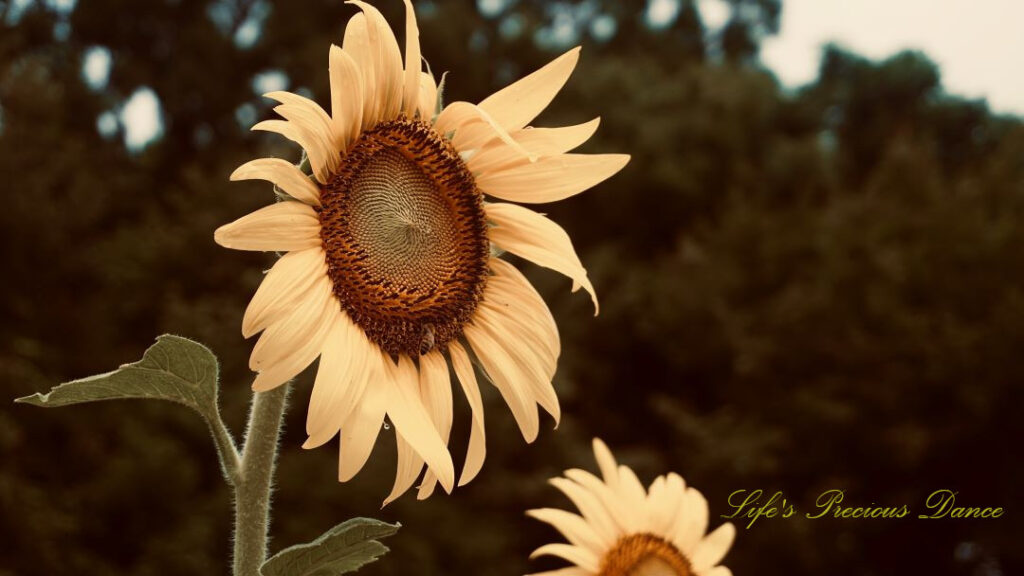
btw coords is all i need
(391, 269)
(625, 530)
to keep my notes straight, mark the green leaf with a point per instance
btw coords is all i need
(175, 369)
(345, 548)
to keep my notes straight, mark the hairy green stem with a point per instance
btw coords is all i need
(254, 480)
(226, 449)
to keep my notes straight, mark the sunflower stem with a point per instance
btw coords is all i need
(254, 481)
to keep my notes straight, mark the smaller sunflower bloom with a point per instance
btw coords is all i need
(624, 530)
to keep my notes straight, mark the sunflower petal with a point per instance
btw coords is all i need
(413, 66)
(281, 227)
(578, 556)
(530, 235)
(552, 178)
(282, 174)
(340, 381)
(436, 389)
(575, 529)
(359, 433)
(713, 547)
(517, 104)
(477, 438)
(412, 422)
(409, 467)
(318, 149)
(501, 370)
(289, 346)
(387, 66)
(346, 96)
(288, 280)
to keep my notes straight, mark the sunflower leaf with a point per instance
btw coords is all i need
(342, 549)
(175, 369)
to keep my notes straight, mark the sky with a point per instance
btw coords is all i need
(977, 44)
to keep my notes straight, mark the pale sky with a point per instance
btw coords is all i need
(978, 44)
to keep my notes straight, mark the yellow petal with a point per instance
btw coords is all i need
(590, 507)
(551, 141)
(713, 548)
(413, 66)
(359, 432)
(387, 66)
(575, 529)
(280, 227)
(516, 105)
(477, 438)
(322, 155)
(524, 364)
(340, 380)
(405, 406)
(610, 501)
(436, 390)
(409, 467)
(297, 108)
(526, 233)
(428, 97)
(289, 346)
(578, 556)
(692, 521)
(357, 45)
(346, 96)
(500, 369)
(289, 279)
(552, 178)
(283, 174)
(528, 297)
(606, 462)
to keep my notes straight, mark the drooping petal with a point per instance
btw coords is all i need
(412, 422)
(347, 92)
(528, 297)
(473, 127)
(288, 280)
(281, 227)
(359, 433)
(340, 380)
(477, 438)
(409, 467)
(413, 66)
(436, 390)
(517, 104)
(552, 178)
(526, 366)
(500, 369)
(282, 174)
(526, 233)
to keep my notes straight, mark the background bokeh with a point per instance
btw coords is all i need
(801, 289)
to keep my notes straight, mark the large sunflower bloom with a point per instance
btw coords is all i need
(389, 272)
(625, 530)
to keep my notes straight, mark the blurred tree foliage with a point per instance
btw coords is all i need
(800, 290)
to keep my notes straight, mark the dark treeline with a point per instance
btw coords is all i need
(801, 290)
